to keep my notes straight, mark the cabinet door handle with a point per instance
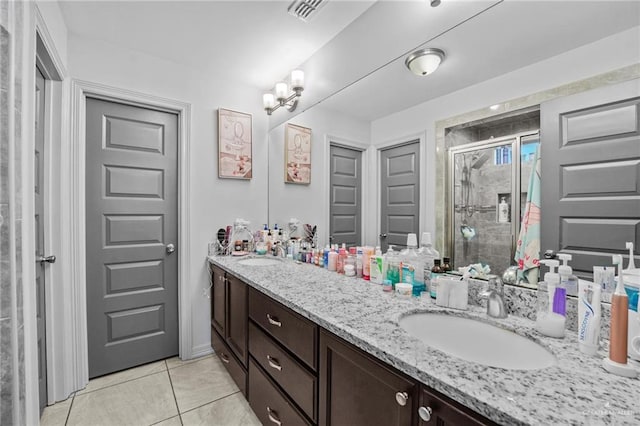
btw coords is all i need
(224, 358)
(274, 363)
(402, 398)
(273, 416)
(220, 278)
(274, 321)
(425, 413)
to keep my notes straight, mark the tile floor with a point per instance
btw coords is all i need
(167, 393)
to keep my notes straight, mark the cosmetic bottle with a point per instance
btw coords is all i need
(375, 267)
(616, 363)
(436, 271)
(342, 255)
(325, 256)
(333, 258)
(366, 265)
(359, 262)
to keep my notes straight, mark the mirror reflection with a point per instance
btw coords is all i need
(474, 124)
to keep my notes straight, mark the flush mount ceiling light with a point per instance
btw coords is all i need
(283, 97)
(424, 61)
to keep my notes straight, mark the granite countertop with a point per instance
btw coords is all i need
(575, 391)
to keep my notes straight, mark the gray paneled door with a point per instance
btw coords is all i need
(400, 194)
(39, 238)
(345, 209)
(132, 229)
(591, 174)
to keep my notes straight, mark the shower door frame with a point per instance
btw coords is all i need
(516, 188)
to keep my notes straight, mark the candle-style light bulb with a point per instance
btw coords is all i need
(282, 90)
(297, 79)
(268, 101)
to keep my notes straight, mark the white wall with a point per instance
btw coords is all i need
(214, 203)
(309, 203)
(608, 54)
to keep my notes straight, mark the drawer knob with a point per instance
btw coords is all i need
(273, 416)
(274, 321)
(274, 363)
(402, 398)
(425, 413)
(224, 358)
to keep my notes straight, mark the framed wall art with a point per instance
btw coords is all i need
(297, 154)
(235, 156)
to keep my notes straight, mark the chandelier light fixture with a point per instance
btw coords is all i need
(284, 97)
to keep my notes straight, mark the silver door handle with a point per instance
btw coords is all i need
(171, 248)
(273, 363)
(425, 413)
(383, 235)
(48, 259)
(273, 416)
(330, 237)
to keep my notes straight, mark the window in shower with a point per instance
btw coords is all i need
(488, 183)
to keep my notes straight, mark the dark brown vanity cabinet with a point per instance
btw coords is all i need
(435, 408)
(294, 372)
(229, 320)
(283, 362)
(357, 390)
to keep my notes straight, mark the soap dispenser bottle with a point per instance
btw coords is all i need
(503, 210)
(616, 363)
(551, 311)
(568, 280)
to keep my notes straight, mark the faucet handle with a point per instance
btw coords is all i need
(495, 282)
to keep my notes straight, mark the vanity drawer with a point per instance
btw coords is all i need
(271, 407)
(297, 334)
(295, 379)
(235, 369)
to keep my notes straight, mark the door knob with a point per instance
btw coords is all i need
(402, 398)
(171, 248)
(383, 235)
(48, 259)
(425, 413)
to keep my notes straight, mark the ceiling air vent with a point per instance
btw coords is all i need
(305, 9)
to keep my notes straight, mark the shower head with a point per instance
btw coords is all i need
(478, 161)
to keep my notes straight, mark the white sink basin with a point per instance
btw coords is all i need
(477, 341)
(259, 261)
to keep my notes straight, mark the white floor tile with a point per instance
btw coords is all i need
(56, 414)
(201, 382)
(123, 376)
(230, 411)
(142, 401)
(177, 362)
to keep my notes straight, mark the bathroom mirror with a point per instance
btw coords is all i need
(362, 117)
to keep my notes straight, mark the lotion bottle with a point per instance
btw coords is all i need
(550, 316)
(616, 363)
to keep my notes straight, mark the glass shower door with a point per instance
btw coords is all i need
(483, 183)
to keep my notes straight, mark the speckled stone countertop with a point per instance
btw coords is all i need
(576, 391)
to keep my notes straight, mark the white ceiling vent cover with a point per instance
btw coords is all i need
(306, 9)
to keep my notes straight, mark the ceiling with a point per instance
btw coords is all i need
(352, 50)
(501, 39)
(256, 42)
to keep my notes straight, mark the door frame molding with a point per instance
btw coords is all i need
(356, 146)
(423, 180)
(80, 90)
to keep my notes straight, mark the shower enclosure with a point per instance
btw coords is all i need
(488, 182)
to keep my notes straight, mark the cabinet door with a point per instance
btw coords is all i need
(218, 300)
(440, 410)
(356, 390)
(237, 318)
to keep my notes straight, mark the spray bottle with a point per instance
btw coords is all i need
(616, 362)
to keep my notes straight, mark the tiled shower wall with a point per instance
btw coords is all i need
(12, 377)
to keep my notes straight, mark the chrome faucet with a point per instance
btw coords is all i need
(494, 294)
(279, 250)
